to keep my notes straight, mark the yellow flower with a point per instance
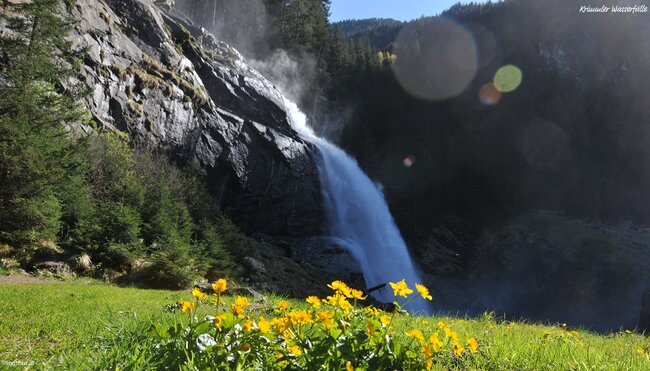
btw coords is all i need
(473, 345)
(299, 317)
(295, 350)
(325, 317)
(450, 333)
(348, 366)
(279, 324)
(417, 334)
(401, 288)
(314, 301)
(424, 292)
(338, 286)
(241, 301)
(640, 351)
(220, 286)
(217, 321)
(237, 310)
(283, 305)
(338, 300)
(426, 350)
(385, 320)
(371, 329)
(458, 349)
(440, 325)
(372, 311)
(357, 294)
(263, 325)
(341, 288)
(248, 325)
(199, 294)
(435, 342)
(187, 306)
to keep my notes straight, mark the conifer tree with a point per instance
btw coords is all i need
(39, 163)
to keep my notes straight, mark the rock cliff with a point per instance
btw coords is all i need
(177, 89)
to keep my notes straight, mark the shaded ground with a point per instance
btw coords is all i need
(27, 280)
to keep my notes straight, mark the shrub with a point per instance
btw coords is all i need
(218, 261)
(172, 266)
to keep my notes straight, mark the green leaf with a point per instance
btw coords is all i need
(203, 328)
(159, 332)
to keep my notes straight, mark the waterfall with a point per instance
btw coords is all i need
(359, 218)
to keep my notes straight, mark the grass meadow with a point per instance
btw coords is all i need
(86, 325)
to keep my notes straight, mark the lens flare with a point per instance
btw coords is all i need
(508, 78)
(486, 44)
(409, 161)
(436, 59)
(489, 94)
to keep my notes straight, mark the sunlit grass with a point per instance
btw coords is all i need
(65, 324)
(76, 326)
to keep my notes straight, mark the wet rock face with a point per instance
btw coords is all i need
(644, 320)
(547, 266)
(328, 254)
(175, 88)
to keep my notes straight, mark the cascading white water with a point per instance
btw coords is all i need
(359, 217)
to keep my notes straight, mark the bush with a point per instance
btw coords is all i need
(172, 268)
(217, 260)
(145, 208)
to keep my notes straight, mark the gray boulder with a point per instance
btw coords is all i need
(329, 255)
(56, 268)
(254, 267)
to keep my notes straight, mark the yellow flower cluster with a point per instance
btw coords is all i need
(436, 343)
(294, 332)
(402, 289)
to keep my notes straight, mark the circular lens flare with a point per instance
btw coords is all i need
(436, 59)
(489, 94)
(508, 78)
(409, 161)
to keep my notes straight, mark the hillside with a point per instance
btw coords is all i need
(381, 33)
(469, 169)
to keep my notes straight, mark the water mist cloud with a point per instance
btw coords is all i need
(294, 75)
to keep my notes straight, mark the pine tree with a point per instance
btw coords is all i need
(38, 160)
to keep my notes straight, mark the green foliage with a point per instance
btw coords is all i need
(217, 247)
(39, 163)
(147, 209)
(172, 266)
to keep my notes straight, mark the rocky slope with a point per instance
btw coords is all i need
(547, 266)
(177, 89)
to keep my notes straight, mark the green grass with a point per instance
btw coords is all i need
(75, 326)
(64, 325)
